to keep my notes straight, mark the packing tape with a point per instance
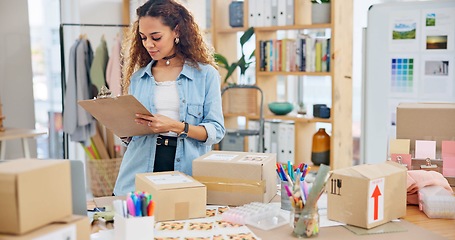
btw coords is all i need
(232, 185)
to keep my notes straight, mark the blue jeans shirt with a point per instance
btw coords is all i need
(200, 105)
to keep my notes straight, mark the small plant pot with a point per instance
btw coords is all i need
(320, 13)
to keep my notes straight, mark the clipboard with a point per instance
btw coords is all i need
(118, 114)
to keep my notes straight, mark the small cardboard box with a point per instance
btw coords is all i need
(367, 195)
(33, 194)
(74, 227)
(176, 195)
(237, 178)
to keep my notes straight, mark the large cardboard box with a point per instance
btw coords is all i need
(237, 178)
(33, 193)
(70, 228)
(177, 196)
(367, 195)
(426, 121)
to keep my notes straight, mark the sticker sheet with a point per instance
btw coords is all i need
(209, 228)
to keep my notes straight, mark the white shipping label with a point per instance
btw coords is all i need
(376, 200)
(221, 157)
(66, 233)
(169, 179)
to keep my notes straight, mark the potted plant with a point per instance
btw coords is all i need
(242, 99)
(320, 11)
(243, 63)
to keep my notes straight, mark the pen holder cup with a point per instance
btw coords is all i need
(134, 227)
(285, 201)
(306, 224)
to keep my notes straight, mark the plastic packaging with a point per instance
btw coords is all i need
(260, 215)
(437, 202)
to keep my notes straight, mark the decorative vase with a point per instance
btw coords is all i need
(320, 13)
(320, 150)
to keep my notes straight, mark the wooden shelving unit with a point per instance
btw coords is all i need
(225, 42)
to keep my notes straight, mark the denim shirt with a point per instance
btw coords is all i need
(200, 105)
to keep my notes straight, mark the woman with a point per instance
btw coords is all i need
(175, 77)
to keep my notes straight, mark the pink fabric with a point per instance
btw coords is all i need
(417, 179)
(114, 70)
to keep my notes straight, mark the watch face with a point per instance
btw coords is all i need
(183, 135)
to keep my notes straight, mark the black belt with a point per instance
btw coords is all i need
(166, 141)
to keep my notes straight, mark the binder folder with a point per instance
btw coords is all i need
(118, 114)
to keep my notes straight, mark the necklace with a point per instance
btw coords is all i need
(168, 58)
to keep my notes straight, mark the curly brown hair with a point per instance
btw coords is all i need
(191, 47)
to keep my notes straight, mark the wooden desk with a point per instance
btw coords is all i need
(427, 228)
(17, 133)
(443, 227)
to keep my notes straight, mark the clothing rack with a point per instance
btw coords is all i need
(62, 65)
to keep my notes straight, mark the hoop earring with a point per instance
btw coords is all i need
(177, 40)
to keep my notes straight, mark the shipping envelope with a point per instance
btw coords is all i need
(367, 195)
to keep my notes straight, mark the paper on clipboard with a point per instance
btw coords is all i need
(118, 114)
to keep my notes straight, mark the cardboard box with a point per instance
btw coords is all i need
(33, 194)
(70, 228)
(177, 196)
(367, 195)
(426, 121)
(237, 178)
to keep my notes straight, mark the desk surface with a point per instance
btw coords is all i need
(15, 133)
(443, 227)
(427, 228)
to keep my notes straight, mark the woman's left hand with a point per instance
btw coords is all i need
(158, 123)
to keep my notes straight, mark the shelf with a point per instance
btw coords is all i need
(232, 30)
(295, 118)
(289, 117)
(276, 28)
(293, 27)
(322, 74)
(252, 116)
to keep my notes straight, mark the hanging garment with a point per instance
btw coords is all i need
(114, 70)
(78, 123)
(99, 64)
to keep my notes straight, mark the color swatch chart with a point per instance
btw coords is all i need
(402, 80)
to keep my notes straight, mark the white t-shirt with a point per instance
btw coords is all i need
(166, 105)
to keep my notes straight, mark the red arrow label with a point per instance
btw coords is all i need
(375, 196)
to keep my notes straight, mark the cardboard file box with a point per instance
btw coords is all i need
(237, 178)
(33, 194)
(176, 195)
(71, 228)
(367, 195)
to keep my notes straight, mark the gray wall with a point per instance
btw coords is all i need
(16, 84)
